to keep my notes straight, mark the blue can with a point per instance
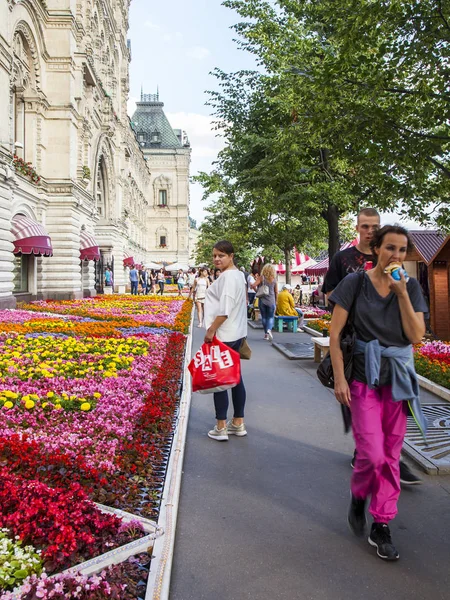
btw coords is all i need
(396, 274)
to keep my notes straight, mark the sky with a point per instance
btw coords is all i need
(175, 44)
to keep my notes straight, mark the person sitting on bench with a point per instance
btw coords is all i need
(286, 306)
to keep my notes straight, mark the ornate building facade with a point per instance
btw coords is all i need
(168, 155)
(74, 182)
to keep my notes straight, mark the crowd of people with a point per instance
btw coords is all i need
(387, 316)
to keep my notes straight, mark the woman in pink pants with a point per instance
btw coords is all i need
(387, 316)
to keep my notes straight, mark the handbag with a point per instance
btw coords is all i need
(215, 368)
(348, 341)
(245, 352)
(263, 290)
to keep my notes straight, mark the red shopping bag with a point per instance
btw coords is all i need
(215, 368)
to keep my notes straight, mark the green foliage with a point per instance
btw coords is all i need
(368, 82)
(16, 561)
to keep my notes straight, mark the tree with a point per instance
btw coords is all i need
(286, 181)
(224, 221)
(368, 81)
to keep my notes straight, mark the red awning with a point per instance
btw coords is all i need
(89, 249)
(30, 237)
(128, 260)
(320, 269)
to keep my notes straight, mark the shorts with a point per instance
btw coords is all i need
(201, 300)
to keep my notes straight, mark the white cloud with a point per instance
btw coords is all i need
(131, 105)
(172, 37)
(205, 143)
(152, 26)
(198, 52)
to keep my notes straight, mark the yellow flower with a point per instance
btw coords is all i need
(58, 406)
(50, 394)
(85, 406)
(29, 404)
(25, 398)
(8, 404)
(97, 395)
(44, 404)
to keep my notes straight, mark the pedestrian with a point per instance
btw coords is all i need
(201, 284)
(134, 280)
(216, 274)
(355, 260)
(161, 280)
(297, 295)
(250, 283)
(388, 319)
(286, 306)
(181, 282)
(226, 318)
(191, 281)
(266, 282)
(246, 274)
(108, 277)
(143, 280)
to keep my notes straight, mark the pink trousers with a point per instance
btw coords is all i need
(379, 426)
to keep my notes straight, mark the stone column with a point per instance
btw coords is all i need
(7, 299)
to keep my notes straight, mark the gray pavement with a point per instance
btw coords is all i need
(264, 517)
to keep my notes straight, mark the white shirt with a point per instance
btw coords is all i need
(250, 281)
(227, 297)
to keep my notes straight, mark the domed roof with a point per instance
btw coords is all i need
(152, 128)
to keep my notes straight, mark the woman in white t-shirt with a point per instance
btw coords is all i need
(226, 318)
(201, 284)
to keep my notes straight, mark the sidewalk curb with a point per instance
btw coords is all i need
(434, 388)
(158, 584)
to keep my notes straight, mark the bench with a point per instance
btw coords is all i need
(321, 348)
(292, 323)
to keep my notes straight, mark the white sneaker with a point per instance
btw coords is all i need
(269, 336)
(238, 430)
(266, 336)
(221, 435)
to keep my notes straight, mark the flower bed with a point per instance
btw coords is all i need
(310, 312)
(432, 361)
(87, 408)
(123, 311)
(319, 325)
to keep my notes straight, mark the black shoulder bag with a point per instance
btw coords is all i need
(348, 341)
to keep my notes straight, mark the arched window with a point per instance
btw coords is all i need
(23, 79)
(102, 188)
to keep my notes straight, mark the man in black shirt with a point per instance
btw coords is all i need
(355, 260)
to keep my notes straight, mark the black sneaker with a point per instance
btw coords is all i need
(357, 520)
(380, 538)
(407, 477)
(352, 462)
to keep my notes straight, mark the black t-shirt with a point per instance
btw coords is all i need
(342, 264)
(376, 318)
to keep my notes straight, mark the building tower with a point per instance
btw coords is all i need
(168, 156)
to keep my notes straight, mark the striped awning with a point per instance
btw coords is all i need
(30, 237)
(89, 249)
(128, 259)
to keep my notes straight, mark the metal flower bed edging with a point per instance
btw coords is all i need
(158, 584)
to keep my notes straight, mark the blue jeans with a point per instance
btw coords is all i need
(238, 394)
(267, 313)
(134, 287)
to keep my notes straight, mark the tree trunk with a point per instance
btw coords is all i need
(287, 261)
(331, 216)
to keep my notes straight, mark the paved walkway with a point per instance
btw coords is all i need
(264, 517)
